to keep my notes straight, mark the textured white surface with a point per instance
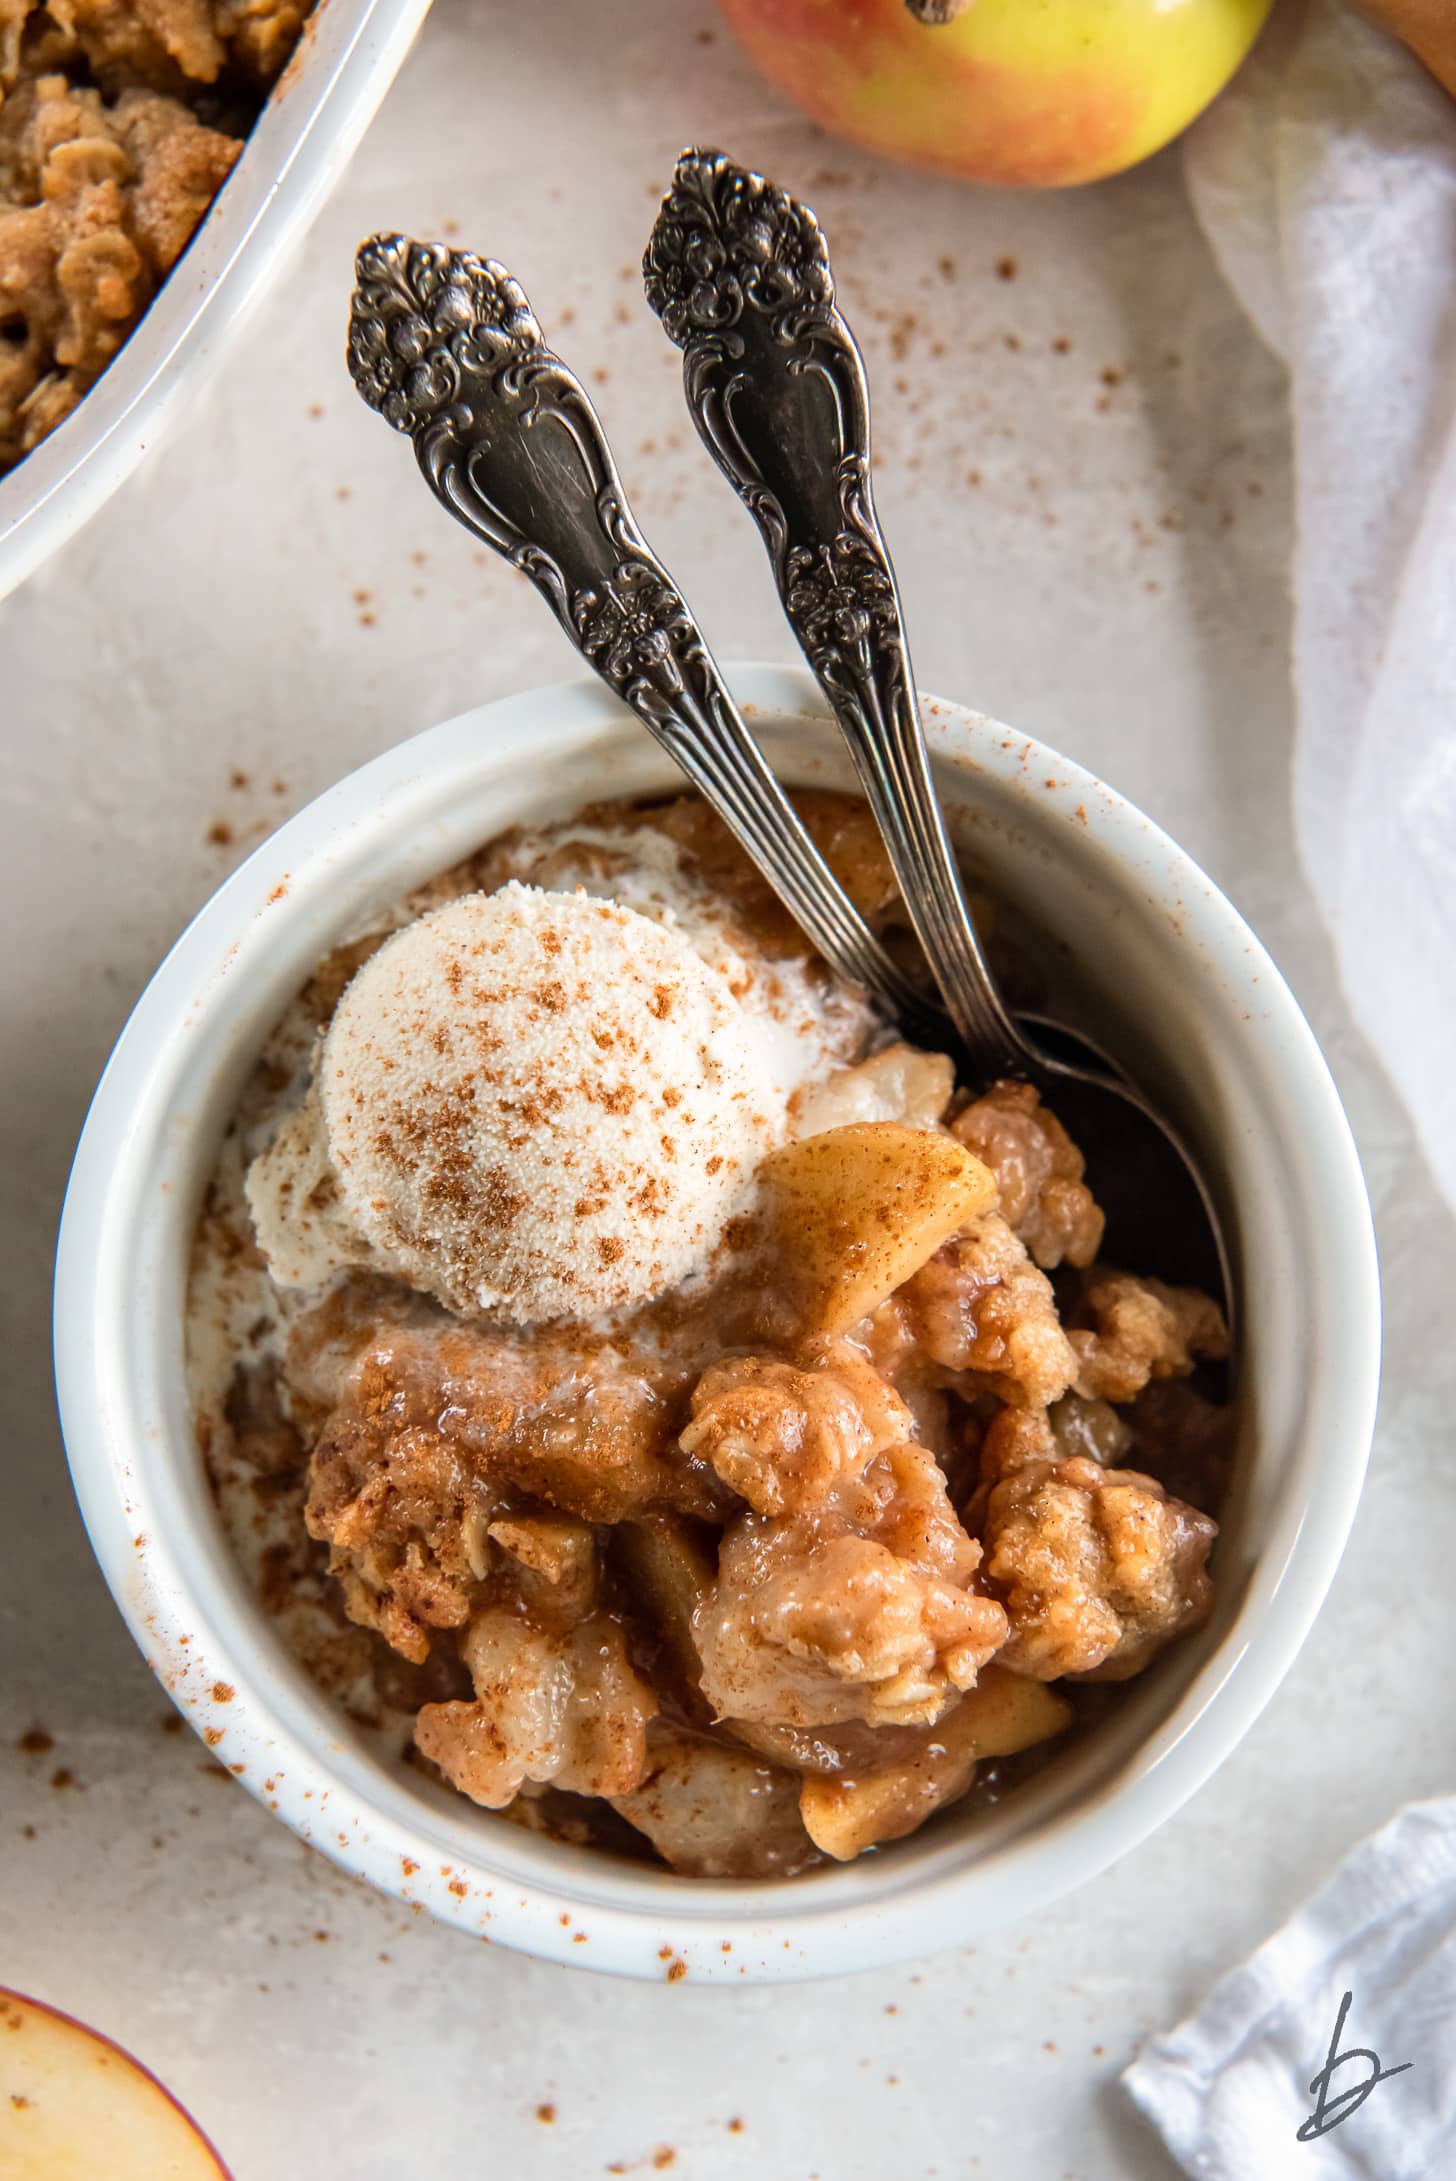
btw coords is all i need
(1115, 581)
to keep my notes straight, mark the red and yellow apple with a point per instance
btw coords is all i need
(1035, 93)
(74, 2106)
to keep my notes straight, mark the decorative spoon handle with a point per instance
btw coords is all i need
(446, 347)
(739, 274)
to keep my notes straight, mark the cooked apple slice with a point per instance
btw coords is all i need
(1005, 1713)
(900, 1083)
(858, 1209)
(1002, 1714)
(670, 1564)
(715, 1812)
(73, 2105)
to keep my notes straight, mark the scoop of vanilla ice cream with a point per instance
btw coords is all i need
(299, 1218)
(531, 1103)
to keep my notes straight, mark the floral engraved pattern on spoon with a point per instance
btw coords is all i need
(727, 240)
(632, 626)
(422, 316)
(838, 593)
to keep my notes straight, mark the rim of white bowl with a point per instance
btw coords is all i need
(209, 1645)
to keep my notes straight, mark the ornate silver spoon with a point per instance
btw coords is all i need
(739, 274)
(445, 346)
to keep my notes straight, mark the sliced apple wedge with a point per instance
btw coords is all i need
(74, 2106)
(1002, 1714)
(858, 1209)
(670, 1564)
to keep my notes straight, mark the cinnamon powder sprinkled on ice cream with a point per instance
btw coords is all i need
(531, 1103)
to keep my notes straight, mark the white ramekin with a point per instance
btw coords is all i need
(1179, 986)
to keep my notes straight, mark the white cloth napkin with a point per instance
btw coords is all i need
(1325, 179)
(1230, 2089)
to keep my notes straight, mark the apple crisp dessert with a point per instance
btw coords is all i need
(119, 123)
(662, 1399)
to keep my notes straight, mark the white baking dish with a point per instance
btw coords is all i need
(320, 107)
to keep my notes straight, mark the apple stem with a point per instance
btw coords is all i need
(934, 12)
